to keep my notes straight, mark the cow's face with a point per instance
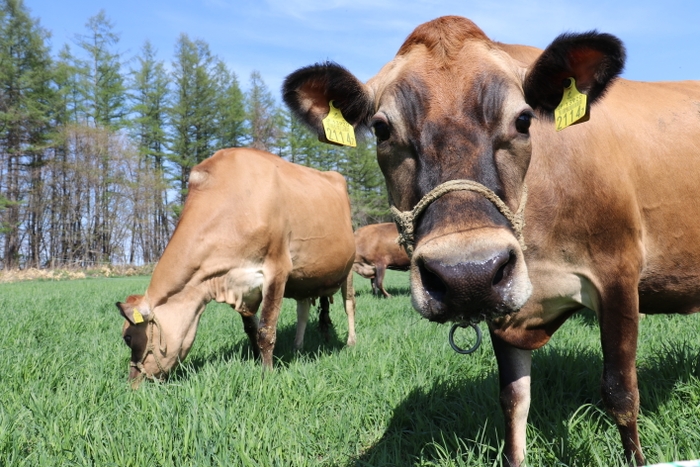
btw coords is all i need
(454, 105)
(157, 343)
(432, 128)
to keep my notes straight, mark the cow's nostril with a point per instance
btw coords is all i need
(503, 270)
(432, 284)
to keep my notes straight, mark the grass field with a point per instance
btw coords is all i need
(400, 397)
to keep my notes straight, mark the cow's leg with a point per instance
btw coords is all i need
(273, 293)
(514, 378)
(324, 318)
(250, 326)
(619, 321)
(348, 293)
(303, 307)
(381, 270)
(373, 281)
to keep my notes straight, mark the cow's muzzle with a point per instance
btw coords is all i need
(467, 277)
(452, 282)
(137, 372)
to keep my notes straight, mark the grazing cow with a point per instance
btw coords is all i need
(255, 228)
(533, 224)
(376, 251)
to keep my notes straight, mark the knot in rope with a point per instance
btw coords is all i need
(406, 220)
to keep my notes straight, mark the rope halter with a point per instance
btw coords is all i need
(406, 220)
(151, 348)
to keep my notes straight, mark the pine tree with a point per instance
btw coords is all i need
(297, 143)
(150, 95)
(366, 185)
(194, 97)
(24, 98)
(76, 187)
(104, 87)
(230, 109)
(65, 214)
(105, 97)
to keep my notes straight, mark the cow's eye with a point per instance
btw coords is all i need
(381, 130)
(522, 123)
(127, 340)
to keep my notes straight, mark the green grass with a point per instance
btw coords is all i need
(400, 397)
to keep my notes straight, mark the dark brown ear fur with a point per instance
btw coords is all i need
(593, 59)
(308, 91)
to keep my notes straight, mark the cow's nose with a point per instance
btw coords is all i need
(462, 286)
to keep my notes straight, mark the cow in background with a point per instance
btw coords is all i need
(521, 220)
(254, 229)
(376, 250)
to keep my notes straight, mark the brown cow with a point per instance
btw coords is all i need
(376, 251)
(255, 228)
(610, 215)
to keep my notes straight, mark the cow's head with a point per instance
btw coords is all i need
(158, 338)
(454, 105)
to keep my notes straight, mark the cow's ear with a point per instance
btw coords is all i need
(593, 59)
(309, 90)
(135, 309)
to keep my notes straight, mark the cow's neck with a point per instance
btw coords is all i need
(177, 316)
(185, 302)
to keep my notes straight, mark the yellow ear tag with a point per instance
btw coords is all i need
(572, 108)
(138, 317)
(337, 129)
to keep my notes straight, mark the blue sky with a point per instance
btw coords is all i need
(275, 37)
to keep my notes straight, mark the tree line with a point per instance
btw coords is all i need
(96, 148)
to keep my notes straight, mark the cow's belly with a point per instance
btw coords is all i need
(671, 293)
(300, 287)
(670, 279)
(319, 266)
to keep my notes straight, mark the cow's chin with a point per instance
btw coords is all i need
(151, 370)
(136, 377)
(439, 312)
(469, 278)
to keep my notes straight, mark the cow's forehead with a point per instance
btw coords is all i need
(478, 86)
(476, 65)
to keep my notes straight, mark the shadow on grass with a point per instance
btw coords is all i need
(395, 291)
(440, 415)
(588, 317)
(462, 417)
(284, 352)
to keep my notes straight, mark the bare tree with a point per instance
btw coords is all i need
(264, 119)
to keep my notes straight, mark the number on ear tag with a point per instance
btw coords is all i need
(337, 129)
(572, 108)
(138, 317)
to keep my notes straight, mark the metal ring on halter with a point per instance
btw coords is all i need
(457, 348)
